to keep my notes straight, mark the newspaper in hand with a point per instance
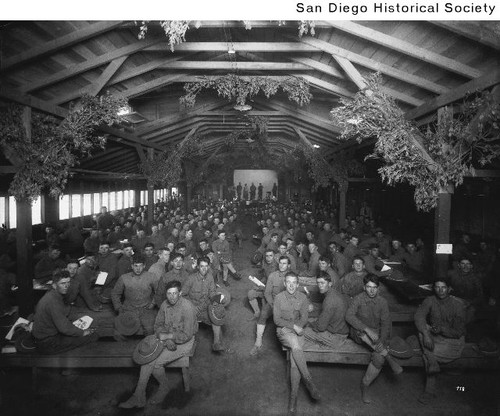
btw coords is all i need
(256, 281)
(83, 323)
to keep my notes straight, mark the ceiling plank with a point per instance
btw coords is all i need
(76, 69)
(375, 66)
(151, 85)
(478, 31)
(479, 84)
(58, 43)
(406, 48)
(110, 70)
(351, 71)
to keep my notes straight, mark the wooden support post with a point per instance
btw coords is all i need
(442, 230)
(343, 186)
(151, 194)
(137, 197)
(24, 239)
(50, 210)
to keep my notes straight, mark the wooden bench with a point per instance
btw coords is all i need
(352, 353)
(101, 354)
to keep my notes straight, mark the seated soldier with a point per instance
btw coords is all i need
(467, 286)
(200, 289)
(175, 328)
(159, 269)
(53, 331)
(282, 251)
(352, 283)
(273, 243)
(338, 261)
(124, 264)
(107, 262)
(81, 292)
(48, 264)
(313, 263)
(275, 284)
(325, 266)
(290, 312)
(397, 251)
(178, 272)
(91, 243)
(370, 321)
(440, 321)
(134, 292)
(374, 264)
(150, 257)
(330, 329)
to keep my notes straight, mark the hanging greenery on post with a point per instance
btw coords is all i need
(455, 144)
(165, 168)
(45, 159)
(242, 88)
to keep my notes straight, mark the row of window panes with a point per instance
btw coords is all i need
(87, 204)
(8, 212)
(80, 205)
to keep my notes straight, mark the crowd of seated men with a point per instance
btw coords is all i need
(192, 254)
(348, 264)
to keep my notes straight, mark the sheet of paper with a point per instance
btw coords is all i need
(256, 281)
(18, 322)
(83, 323)
(385, 268)
(101, 278)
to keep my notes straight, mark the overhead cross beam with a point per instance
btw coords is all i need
(406, 48)
(58, 43)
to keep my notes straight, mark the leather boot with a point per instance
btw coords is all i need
(313, 390)
(134, 401)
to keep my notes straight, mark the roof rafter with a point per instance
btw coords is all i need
(58, 43)
(406, 48)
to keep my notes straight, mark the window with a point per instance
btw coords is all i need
(76, 206)
(119, 200)
(97, 203)
(12, 212)
(36, 211)
(87, 204)
(131, 197)
(126, 199)
(104, 201)
(3, 212)
(64, 207)
(144, 197)
(112, 201)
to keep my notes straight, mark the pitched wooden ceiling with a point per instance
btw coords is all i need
(424, 65)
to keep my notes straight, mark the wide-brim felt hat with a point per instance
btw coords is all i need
(217, 314)
(147, 350)
(127, 323)
(399, 348)
(24, 342)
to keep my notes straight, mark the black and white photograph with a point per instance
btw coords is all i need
(251, 217)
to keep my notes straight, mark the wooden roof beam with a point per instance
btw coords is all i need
(110, 70)
(238, 47)
(58, 43)
(478, 84)
(324, 68)
(88, 65)
(351, 71)
(373, 65)
(477, 31)
(228, 65)
(406, 48)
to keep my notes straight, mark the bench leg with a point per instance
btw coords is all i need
(185, 378)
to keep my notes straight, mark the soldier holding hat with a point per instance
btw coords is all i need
(175, 328)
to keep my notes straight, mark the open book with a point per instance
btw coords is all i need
(101, 278)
